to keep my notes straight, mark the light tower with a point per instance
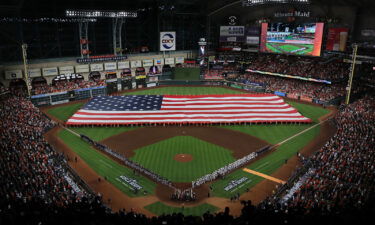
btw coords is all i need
(118, 20)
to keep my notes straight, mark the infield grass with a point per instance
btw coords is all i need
(159, 208)
(159, 157)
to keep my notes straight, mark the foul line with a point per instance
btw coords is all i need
(71, 131)
(298, 134)
(264, 176)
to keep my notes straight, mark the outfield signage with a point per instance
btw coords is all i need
(51, 71)
(169, 61)
(158, 62)
(306, 14)
(101, 59)
(110, 66)
(136, 63)
(82, 68)
(123, 65)
(66, 69)
(34, 72)
(180, 59)
(148, 62)
(13, 74)
(96, 67)
(232, 31)
(235, 183)
(168, 41)
(133, 183)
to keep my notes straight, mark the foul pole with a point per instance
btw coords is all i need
(351, 75)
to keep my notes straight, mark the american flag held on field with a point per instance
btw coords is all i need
(186, 109)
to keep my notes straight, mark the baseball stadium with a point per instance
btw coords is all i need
(187, 112)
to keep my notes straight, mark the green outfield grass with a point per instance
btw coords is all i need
(105, 166)
(275, 133)
(159, 208)
(186, 91)
(289, 48)
(270, 48)
(207, 158)
(64, 112)
(186, 73)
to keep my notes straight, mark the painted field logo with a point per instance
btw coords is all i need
(167, 41)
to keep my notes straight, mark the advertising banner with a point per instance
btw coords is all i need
(136, 63)
(336, 40)
(148, 62)
(82, 68)
(168, 41)
(232, 31)
(13, 74)
(34, 72)
(232, 34)
(180, 60)
(280, 93)
(96, 67)
(169, 61)
(252, 40)
(51, 71)
(110, 66)
(123, 65)
(66, 70)
(158, 62)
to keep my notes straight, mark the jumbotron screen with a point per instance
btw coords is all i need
(296, 39)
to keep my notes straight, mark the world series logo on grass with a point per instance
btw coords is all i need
(167, 41)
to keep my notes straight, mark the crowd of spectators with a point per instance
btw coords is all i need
(332, 70)
(29, 168)
(341, 188)
(344, 168)
(220, 71)
(308, 89)
(65, 85)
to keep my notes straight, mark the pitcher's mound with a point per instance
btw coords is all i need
(183, 157)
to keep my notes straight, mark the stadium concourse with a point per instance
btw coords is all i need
(37, 189)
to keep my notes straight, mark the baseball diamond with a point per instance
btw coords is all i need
(157, 147)
(176, 112)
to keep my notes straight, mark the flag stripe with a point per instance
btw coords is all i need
(186, 109)
(189, 115)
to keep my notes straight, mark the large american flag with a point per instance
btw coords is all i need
(186, 109)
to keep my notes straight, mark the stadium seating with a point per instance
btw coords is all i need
(340, 189)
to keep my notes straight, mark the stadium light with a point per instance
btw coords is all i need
(100, 14)
(45, 20)
(262, 2)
